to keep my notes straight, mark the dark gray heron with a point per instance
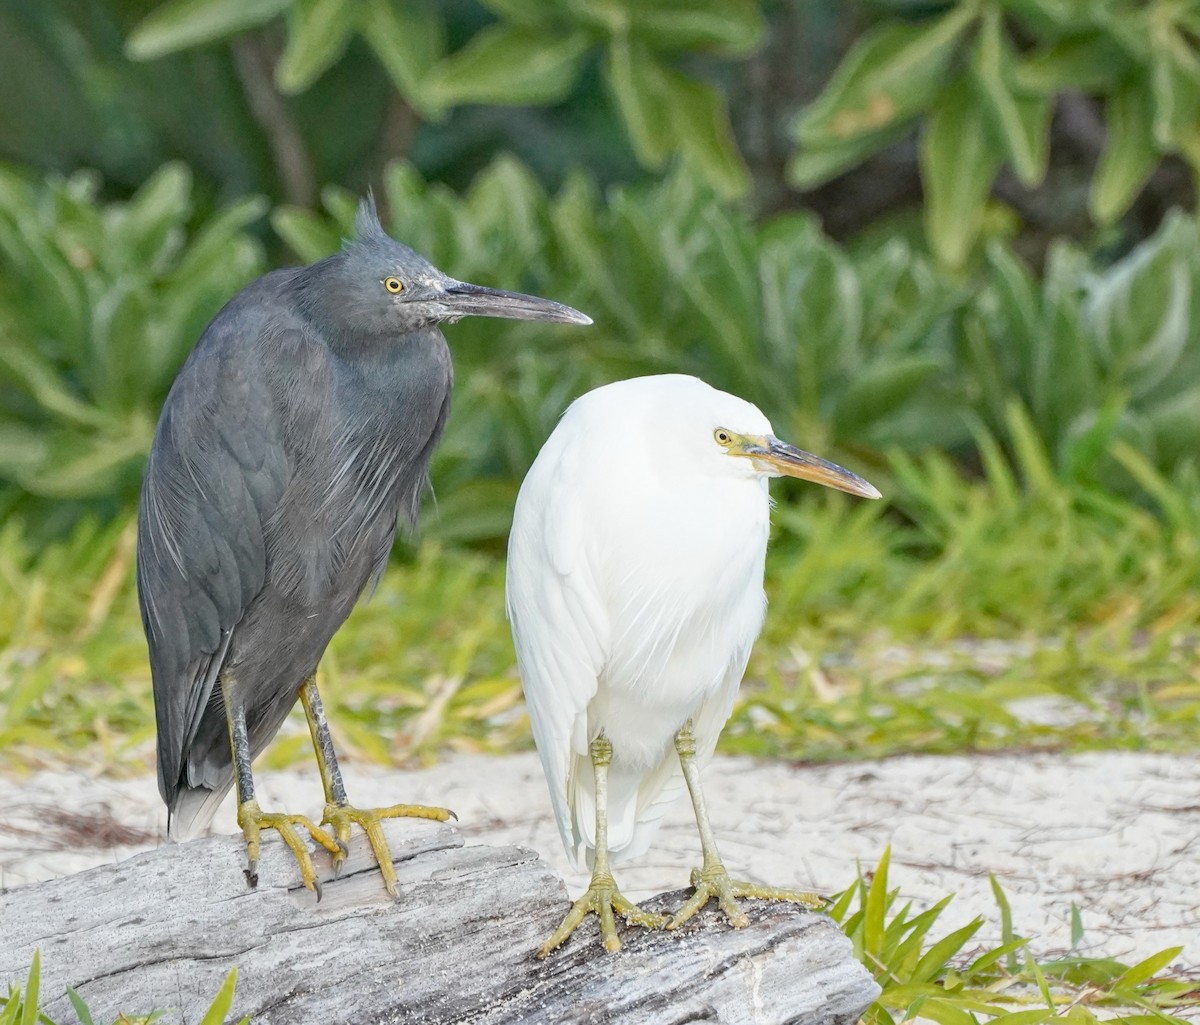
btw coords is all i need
(297, 434)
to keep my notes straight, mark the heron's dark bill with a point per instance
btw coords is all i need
(789, 461)
(477, 301)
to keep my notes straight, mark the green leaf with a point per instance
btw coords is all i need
(891, 74)
(142, 235)
(934, 961)
(82, 1011)
(1144, 970)
(813, 165)
(731, 27)
(1130, 154)
(945, 1011)
(636, 80)
(29, 1013)
(1091, 62)
(86, 466)
(1029, 450)
(318, 31)
(522, 12)
(1049, 16)
(308, 235)
(1022, 122)
(1005, 951)
(35, 375)
(1175, 78)
(477, 510)
(186, 23)
(219, 1008)
(1039, 977)
(1140, 309)
(1007, 936)
(1175, 422)
(1076, 926)
(510, 65)
(880, 388)
(703, 130)
(959, 162)
(875, 908)
(409, 40)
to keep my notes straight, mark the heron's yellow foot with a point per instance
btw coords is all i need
(253, 820)
(713, 881)
(340, 816)
(602, 899)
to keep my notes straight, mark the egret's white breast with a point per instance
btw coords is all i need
(680, 568)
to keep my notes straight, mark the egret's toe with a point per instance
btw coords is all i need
(602, 899)
(713, 882)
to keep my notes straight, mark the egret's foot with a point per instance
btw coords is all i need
(340, 816)
(253, 820)
(713, 881)
(602, 899)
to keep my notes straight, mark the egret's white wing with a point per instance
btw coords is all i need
(559, 622)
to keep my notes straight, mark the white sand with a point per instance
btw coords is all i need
(1116, 834)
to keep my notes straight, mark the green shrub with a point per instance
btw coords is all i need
(981, 80)
(853, 353)
(99, 305)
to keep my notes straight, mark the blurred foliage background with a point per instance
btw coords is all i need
(951, 244)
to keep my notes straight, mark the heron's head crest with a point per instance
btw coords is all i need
(367, 228)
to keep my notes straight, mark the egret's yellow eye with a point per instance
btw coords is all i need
(393, 285)
(724, 438)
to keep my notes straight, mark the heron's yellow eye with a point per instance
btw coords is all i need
(724, 438)
(393, 285)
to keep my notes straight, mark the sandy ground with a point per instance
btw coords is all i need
(1117, 835)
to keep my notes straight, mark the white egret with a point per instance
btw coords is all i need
(635, 592)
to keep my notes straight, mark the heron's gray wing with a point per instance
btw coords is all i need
(215, 473)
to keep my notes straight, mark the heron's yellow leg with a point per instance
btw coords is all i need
(602, 897)
(711, 880)
(339, 812)
(251, 818)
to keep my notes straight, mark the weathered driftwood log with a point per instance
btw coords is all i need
(161, 931)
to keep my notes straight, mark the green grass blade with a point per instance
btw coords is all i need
(29, 1013)
(1035, 970)
(219, 1008)
(1005, 950)
(1034, 1016)
(1143, 970)
(937, 957)
(875, 909)
(82, 1011)
(1006, 926)
(12, 1007)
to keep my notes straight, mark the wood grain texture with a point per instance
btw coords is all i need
(161, 931)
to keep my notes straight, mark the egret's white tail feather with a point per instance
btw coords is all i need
(637, 801)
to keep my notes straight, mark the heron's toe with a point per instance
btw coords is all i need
(253, 820)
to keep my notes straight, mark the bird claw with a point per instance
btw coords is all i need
(713, 882)
(253, 820)
(339, 859)
(341, 816)
(602, 899)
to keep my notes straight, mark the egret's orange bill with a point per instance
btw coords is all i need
(784, 460)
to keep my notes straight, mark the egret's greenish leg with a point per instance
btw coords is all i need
(251, 818)
(339, 812)
(602, 897)
(711, 880)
